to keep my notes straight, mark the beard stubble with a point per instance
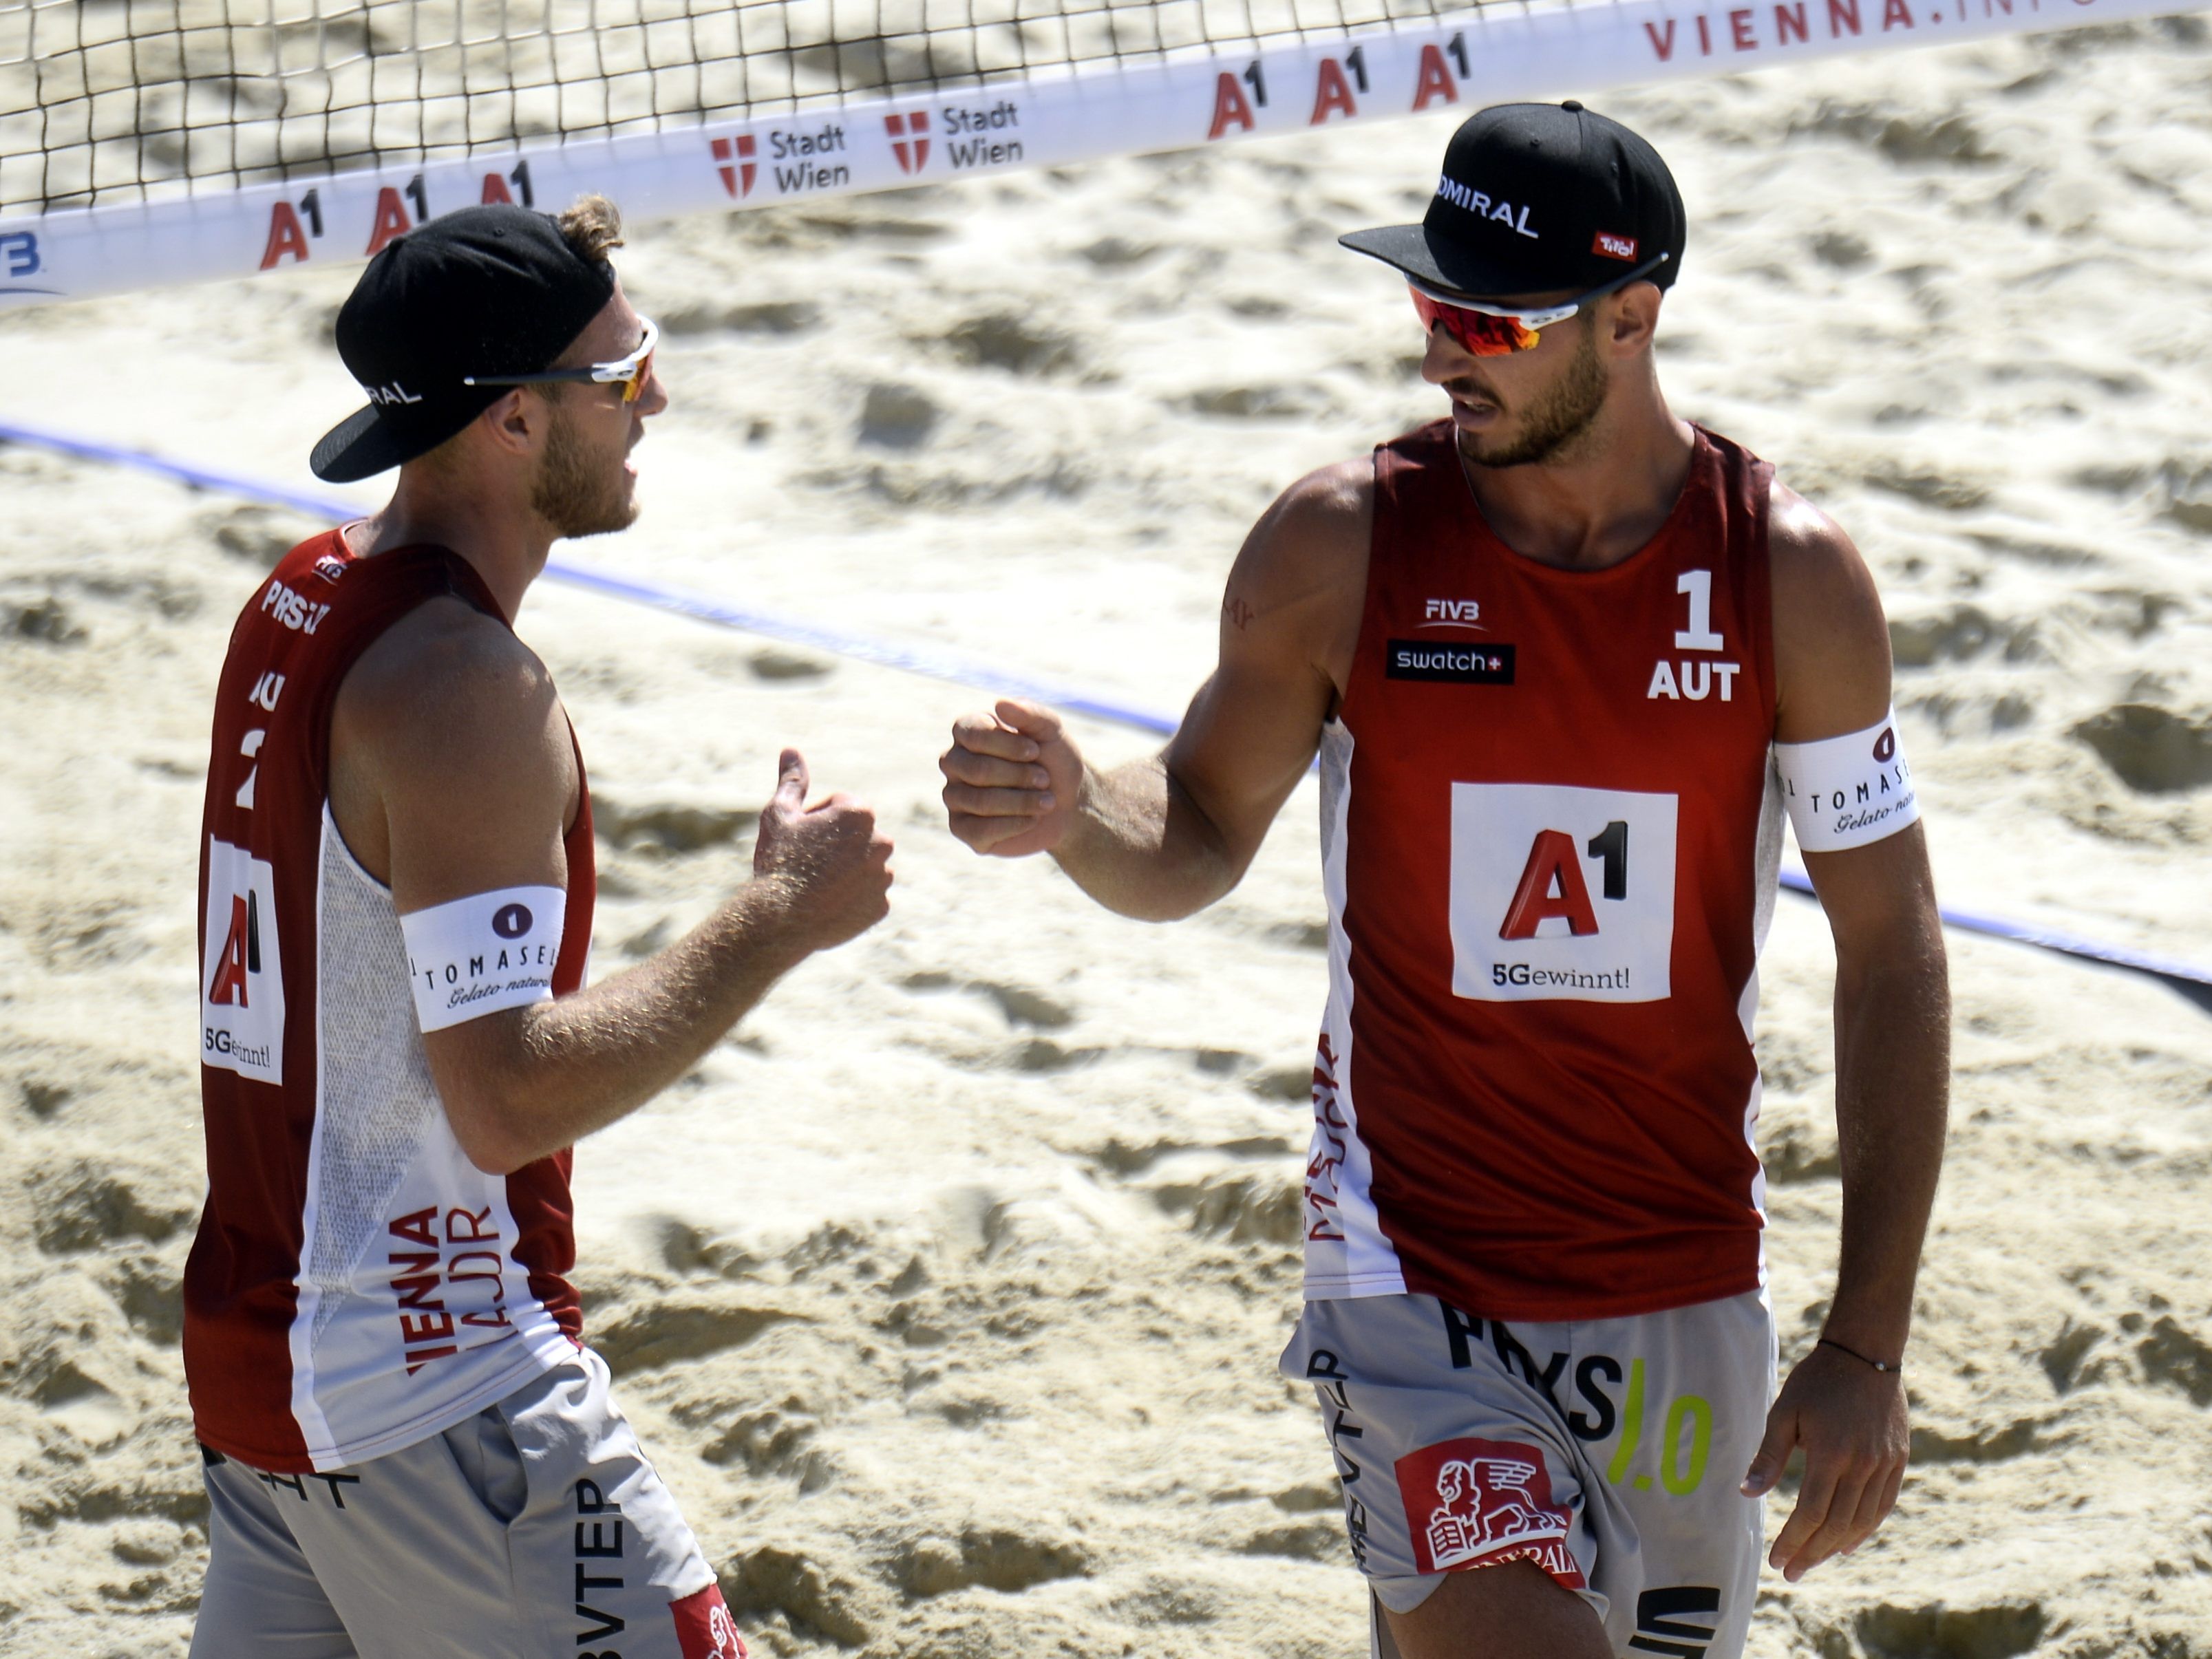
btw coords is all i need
(1558, 418)
(577, 492)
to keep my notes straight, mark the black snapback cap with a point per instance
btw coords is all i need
(1539, 197)
(482, 290)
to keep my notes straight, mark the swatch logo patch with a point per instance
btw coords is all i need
(1448, 663)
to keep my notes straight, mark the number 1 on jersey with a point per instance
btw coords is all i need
(1698, 636)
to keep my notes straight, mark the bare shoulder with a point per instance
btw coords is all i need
(1809, 550)
(1297, 584)
(1316, 527)
(1831, 639)
(449, 725)
(446, 679)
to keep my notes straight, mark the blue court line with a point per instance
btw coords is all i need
(2191, 982)
(926, 660)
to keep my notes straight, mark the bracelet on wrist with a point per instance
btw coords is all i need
(1885, 1367)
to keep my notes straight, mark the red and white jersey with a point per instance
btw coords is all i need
(356, 1285)
(1549, 842)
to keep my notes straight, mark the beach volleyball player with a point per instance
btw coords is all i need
(408, 1450)
(1566, 659)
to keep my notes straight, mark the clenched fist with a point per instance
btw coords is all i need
(1011, 780)
(831, 863)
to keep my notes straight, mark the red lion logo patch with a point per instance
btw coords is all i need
(1482, 1503)
(704, 1629)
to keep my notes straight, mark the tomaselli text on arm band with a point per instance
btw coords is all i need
(479, 955)
(1847, 791)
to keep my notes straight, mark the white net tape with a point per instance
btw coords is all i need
(146, 142)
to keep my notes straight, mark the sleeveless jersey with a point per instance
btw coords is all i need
(356, 1285)
(1549, 842)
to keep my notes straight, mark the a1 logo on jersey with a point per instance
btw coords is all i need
(241, 978)
(1561, 893)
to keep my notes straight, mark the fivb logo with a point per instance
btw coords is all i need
(910, 136)
(20, 250)
(241, 974)
(736, 163)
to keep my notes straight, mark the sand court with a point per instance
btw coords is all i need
(947, 1293)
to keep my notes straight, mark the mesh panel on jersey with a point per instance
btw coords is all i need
(377, 1096)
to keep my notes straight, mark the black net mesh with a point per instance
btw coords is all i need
(117, 100)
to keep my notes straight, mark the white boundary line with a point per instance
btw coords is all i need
(1460, 62)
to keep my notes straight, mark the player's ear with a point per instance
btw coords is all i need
(516, 423)
(1632, 319)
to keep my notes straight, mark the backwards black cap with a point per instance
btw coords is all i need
(1535, 197)
(483, 290)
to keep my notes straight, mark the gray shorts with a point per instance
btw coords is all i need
(535, 1527)
(1608, 1452)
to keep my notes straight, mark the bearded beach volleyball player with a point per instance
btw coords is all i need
(408, 1449)
(1567, 659)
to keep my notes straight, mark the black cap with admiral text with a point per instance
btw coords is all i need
(1538, 197)
(482, 290)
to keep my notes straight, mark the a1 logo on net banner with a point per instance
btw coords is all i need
(1339, 86)
(1559, 893)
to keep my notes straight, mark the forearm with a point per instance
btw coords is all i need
(1139, 846)
(1893, 1082)
(578, 1063)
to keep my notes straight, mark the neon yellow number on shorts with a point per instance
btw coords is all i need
(1700, 1414)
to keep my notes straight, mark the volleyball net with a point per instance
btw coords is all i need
(150, 142)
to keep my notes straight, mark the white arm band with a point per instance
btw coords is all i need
(479, 955)
(1849, 791)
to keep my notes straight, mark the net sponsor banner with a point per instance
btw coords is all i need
(1451, 64)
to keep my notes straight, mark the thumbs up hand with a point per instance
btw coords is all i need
(830, 859)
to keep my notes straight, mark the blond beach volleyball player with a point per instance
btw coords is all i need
(409, 1449)
(1567, 659)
